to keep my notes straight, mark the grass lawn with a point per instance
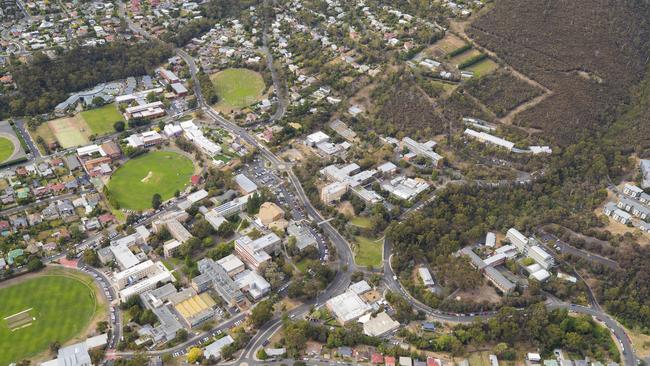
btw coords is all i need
(368, 251)
(100, 120)
(304, 264)
(458, 59)
(162, 172)
(223, 158)
(63, 304)
(483, 68)
(238, 88)
(6, 148)
(446, 86)
(362, 222)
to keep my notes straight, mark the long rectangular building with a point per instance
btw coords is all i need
(491, 139)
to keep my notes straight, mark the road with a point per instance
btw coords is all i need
(625, 346)
(551, 240)
(342, 279)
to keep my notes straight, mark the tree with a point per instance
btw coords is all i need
(119, 126)
(156, 201)
(202, 229)
(54, 347)
(262, 313)
(194, 355)
(34, 265)
(261, 354)
(181, 335)
(91, 258)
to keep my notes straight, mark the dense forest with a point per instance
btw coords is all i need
(44, 82)
(590, 72)
(405, 108)
(501, 91)
(212, 12)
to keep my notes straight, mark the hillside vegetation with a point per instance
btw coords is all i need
(501, 92)
(589, 53)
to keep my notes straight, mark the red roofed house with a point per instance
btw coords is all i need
(390, 360)
(56, 162)
(4, 225)
(377, 358)
(106, 218)
(195, 180)
(433, 361)
(58, 187)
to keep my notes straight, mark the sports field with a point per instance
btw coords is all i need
(6, 149)
(163, 172)
(55, 306)
(238, 88)
(101, 120)
(76, 131)
(70, 131)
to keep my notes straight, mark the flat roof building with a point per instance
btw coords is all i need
(246, 186)
(487, 138)
(123, 256)
(231, 264)
(347, 307)
(221, 282)
(380, 325)
(425, 275)
(252, 283)
(162, 276)
(255, 252)
(196, 309)
(171, 247)
(214, 349)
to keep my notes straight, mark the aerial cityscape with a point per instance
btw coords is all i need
(324, 182)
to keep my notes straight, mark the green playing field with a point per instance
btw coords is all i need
(163, 172)
(60, 304)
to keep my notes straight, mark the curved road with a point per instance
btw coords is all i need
(342, 279)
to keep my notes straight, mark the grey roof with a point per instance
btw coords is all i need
(223, 284)
(496, 276)
(636, 205)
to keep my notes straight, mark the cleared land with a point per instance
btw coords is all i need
(447, 44)
(162, 172)
(69, 131)
(6, 149)
(368, 251)
(238, 88)
(101, 120)
(56, 306)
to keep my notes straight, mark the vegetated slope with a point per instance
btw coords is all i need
(589, 53)
(404, 107)
(502, 92)
(45, 82)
